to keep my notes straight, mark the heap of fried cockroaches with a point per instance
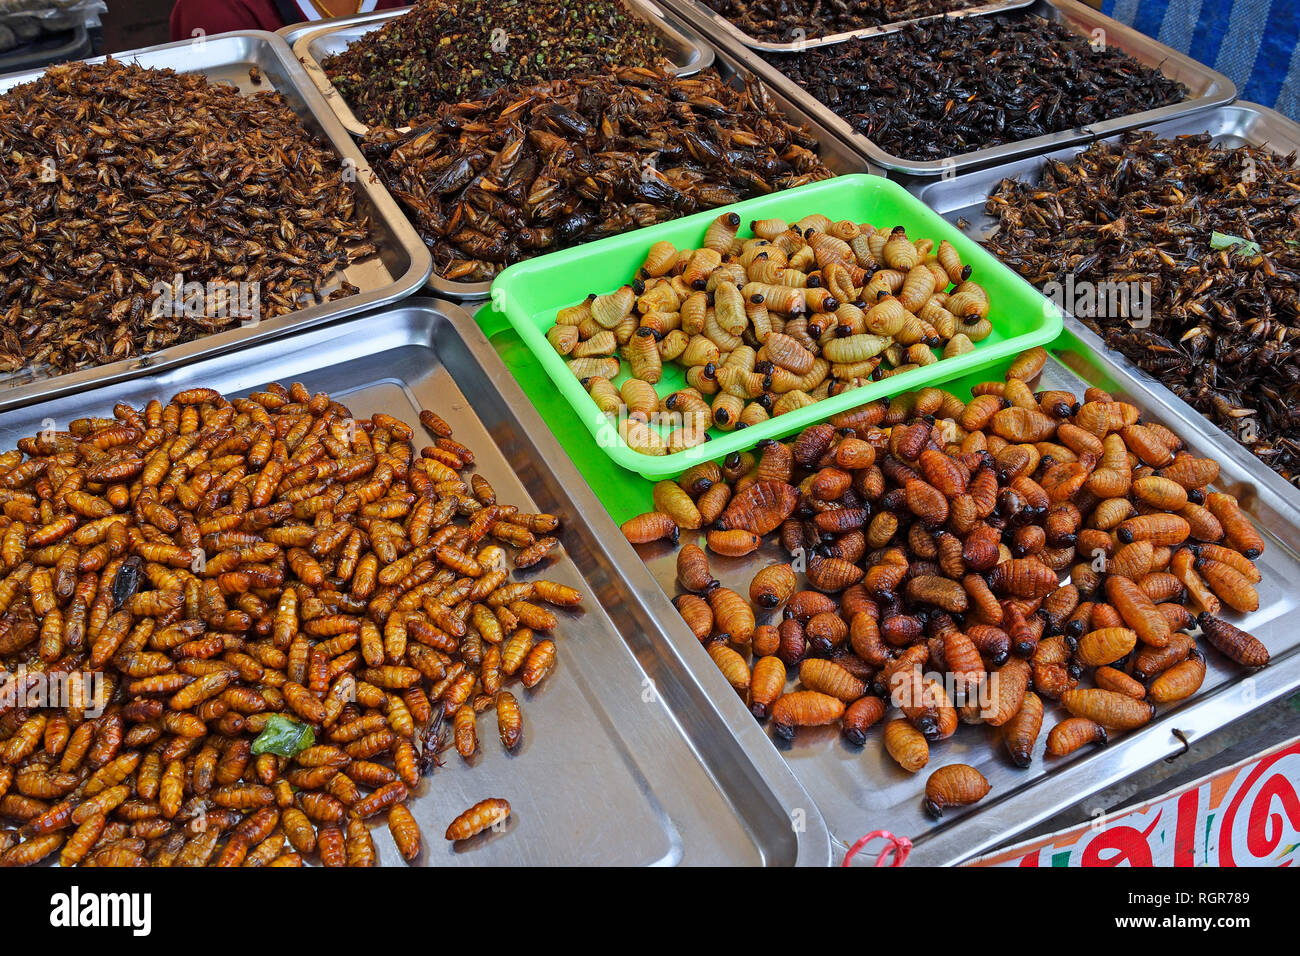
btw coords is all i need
(932, 534)
(767, 324)
(250, 618)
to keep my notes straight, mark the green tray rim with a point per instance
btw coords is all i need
(1050, 322)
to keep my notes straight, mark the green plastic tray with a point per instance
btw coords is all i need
(530, 293)
(625, 495)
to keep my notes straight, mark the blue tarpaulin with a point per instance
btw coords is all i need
(1252, 42)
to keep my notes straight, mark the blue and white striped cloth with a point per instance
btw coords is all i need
(1252, 42)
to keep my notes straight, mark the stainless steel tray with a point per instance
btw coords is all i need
(721, 23)
(861, 789)
(625, 759)
(399, 269)
(1206, 89)
(313, 42)
(834, 152)
(42, 51)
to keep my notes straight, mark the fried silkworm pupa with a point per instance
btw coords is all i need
(772, 586)
(693, 569)
(954, 785)
(651, 526)
(1232, 641)
(1072, 733)
(1020, 733)
(405, 831)
(859, 717)
(1112, 710)
(510, 721)
(906, 745)
(804, 708)
(484, 814)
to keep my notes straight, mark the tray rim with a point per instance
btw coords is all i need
(668, 466)
(420, 261)
(1221, 91)
(754, 43)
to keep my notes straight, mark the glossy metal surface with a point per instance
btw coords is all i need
(1206, 89)
(627, 759)
(399, 268)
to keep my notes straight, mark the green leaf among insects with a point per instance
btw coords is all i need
(283, 736)
(1222, 240)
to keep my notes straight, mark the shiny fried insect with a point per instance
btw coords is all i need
(933, 535)
(1072, 733)
(1232, 641)
(954, 785)
(405, 831)
(804, 708)
(492, 812)
(906, 745)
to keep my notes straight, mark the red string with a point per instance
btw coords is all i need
(898, 846)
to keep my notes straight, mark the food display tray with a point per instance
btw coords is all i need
(314, 42)
(1206, 89)
(398, 268)
(530, 293)
(860, 789)
(626, 759)
(721, 24)
(837, 155)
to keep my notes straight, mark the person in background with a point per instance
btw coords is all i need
(221, 16)
(1252, 42)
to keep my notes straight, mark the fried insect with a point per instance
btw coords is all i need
(954, 785)
(804, 708)
(906, 745)
(489, 813)
(953, 556)
(1072, 733)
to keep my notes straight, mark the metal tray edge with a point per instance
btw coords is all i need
(722, 23)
